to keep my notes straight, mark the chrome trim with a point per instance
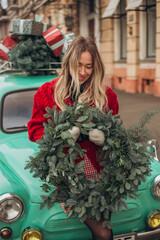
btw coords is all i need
(155, 183)
(154, 234)
(9, 196)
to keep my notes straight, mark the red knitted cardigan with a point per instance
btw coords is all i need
(43, 98)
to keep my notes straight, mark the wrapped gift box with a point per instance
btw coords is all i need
(55, 40)
(45, 27)
(68, 39)
(7, 44)
(29, 27)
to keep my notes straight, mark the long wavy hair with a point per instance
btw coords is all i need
(67, 85)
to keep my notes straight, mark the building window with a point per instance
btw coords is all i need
(91, 6)
(69, 17)
(49, 20)
(147, 31)
(151, 28)
(91, 28)
(15, 2)
(123, 27)
(89, 19)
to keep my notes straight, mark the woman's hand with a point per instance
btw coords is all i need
(97, 137)
(75, 132)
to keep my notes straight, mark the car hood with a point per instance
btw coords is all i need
(14, 154)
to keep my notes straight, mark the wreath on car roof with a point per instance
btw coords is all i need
(125, 162)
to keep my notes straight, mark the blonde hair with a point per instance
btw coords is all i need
(95, 90)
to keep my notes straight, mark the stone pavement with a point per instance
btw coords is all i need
(134, 105)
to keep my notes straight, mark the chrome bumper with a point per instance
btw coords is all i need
(154, 234)
(150, 235)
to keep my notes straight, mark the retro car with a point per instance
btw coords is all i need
(20, 214)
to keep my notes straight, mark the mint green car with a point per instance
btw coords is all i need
(20, 214)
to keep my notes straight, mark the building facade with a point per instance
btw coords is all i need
(8, 11)
(62, 13)
(130, 44)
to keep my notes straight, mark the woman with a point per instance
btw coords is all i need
(82, 80)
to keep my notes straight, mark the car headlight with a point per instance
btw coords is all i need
(154, 219)
(31, 233)
(156, 187)
(11, 208)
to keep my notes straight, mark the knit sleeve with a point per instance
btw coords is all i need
(112, 101)
(42, 99)
(35, 125)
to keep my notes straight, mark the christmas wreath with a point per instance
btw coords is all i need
(123, 157)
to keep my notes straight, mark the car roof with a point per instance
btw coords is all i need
(13, 82)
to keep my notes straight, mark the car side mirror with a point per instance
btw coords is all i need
(152, 146)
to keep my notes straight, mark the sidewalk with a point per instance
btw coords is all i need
(133, 106)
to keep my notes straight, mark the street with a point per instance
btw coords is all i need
(132, 108)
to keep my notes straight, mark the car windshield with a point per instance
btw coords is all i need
(17, 110)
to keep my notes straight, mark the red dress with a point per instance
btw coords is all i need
(45, 98)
